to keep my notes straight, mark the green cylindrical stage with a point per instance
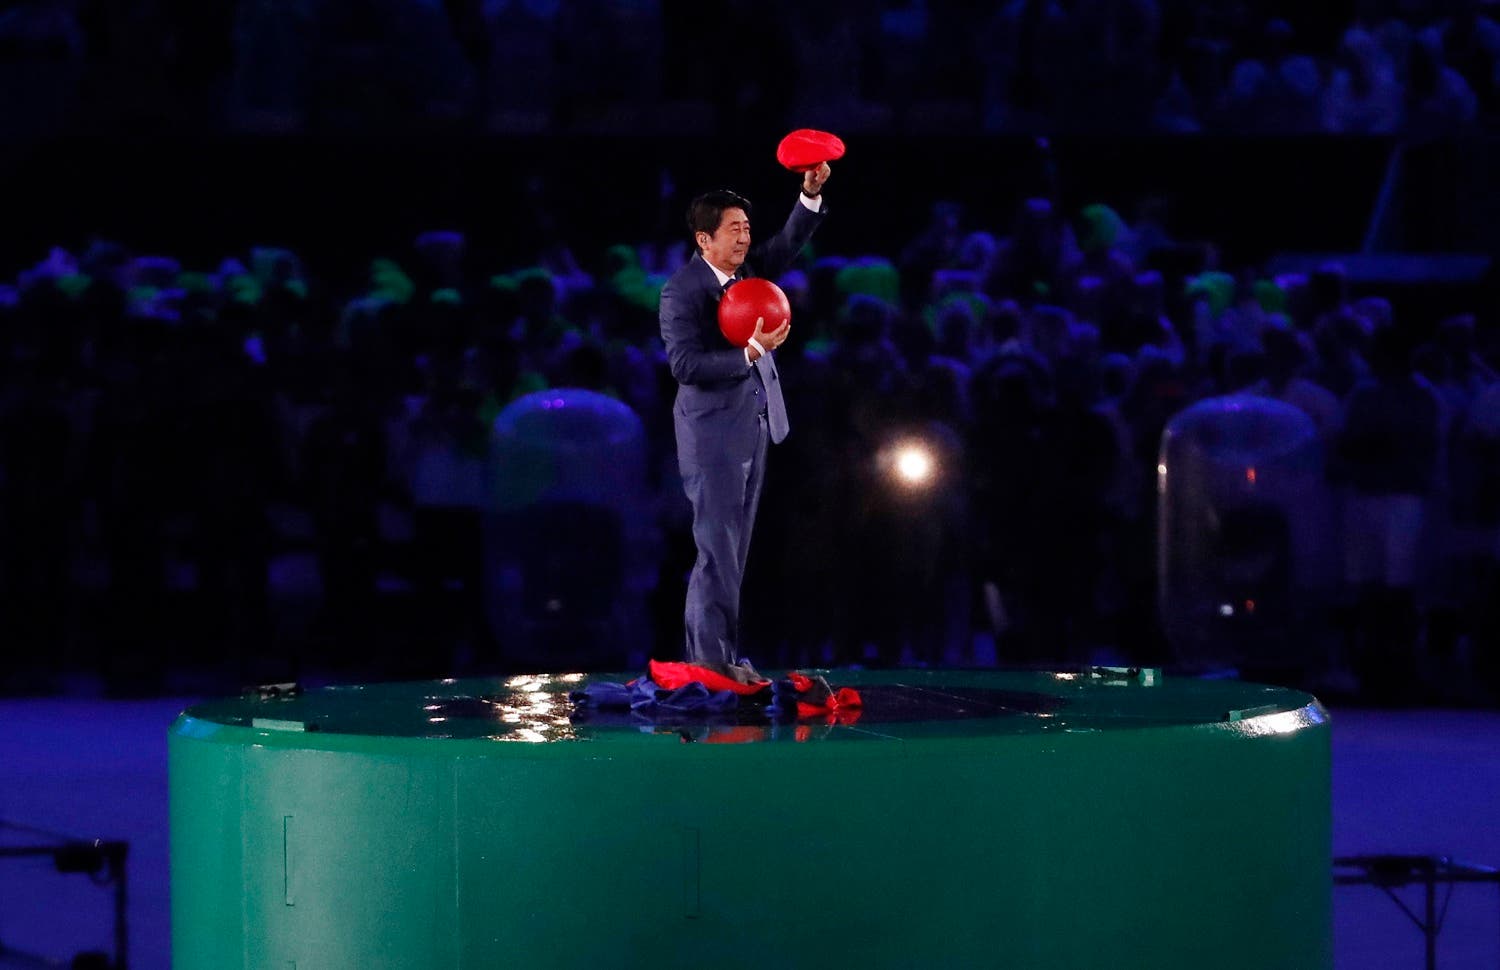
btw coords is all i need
(1076, 820)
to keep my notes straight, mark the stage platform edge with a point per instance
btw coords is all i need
(966, 819)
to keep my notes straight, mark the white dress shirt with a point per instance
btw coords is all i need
(815, 203)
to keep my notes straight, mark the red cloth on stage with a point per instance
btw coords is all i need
(820, 700)
(671, 675)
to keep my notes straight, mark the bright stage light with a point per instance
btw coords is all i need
(914, 464)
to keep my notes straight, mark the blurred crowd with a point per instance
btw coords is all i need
(245, 463)
(1420, 67)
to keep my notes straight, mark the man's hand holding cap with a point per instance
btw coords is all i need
(807, 148)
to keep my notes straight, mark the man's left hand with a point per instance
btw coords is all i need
(813, 179)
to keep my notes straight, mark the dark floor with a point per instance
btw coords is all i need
(1418, 781)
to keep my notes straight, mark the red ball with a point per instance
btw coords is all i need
(747, 300)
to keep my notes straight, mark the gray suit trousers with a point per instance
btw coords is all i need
(724, 495)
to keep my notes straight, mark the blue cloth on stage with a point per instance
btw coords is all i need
(644, 701)
(645, 697)
(688, 699)
(784, 698)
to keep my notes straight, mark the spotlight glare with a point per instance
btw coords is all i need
(914, 465)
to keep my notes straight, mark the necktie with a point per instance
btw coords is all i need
(765, 370)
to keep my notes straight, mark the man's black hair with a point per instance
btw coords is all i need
(707, 211)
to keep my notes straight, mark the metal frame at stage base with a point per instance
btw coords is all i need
(1031, 821)
(89, 857)
(1391, 872)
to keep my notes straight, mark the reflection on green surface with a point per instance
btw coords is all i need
(904, 705)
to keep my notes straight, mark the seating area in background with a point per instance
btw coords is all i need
(901, 66)
(235, 464)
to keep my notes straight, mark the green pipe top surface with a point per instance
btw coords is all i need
(533, 713)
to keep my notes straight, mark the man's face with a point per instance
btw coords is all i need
(727, 247)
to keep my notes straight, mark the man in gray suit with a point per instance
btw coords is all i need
(729, 404)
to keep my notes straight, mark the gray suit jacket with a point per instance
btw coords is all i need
(716, 399)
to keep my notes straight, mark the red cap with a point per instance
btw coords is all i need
(807, 148)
